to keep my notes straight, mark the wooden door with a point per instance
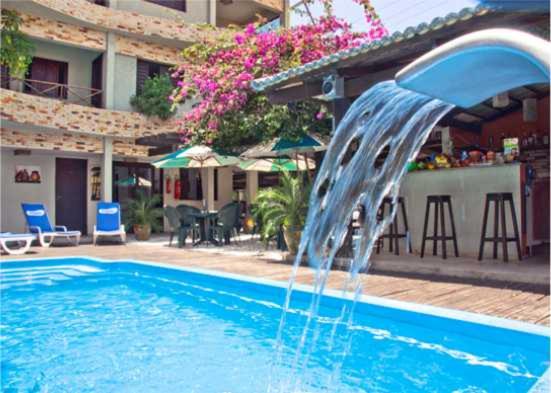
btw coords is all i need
(52, 73)
(70, 191)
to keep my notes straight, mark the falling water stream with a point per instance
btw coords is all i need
(385, 120)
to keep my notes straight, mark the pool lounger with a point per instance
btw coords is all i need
(25, 238)
(39, 224)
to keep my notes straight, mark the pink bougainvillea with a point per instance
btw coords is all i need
(217, 73)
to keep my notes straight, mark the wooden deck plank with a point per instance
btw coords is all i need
(514, 301)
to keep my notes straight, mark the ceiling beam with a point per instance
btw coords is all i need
(167, 139)
(300, 92)
(162, 150)
(450, 121)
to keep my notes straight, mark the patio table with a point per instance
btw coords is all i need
(205, 219)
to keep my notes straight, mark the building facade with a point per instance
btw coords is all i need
(68, 131)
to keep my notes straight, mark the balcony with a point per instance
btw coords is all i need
(75, 94)
(19, 110)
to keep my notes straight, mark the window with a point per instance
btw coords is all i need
(179, 5)
(239, 180)
(268, 179)
(148, 69)
(191, 187)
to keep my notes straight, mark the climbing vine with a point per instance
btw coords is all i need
(217, 72)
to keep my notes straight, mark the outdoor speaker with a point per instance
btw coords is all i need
(332, 87)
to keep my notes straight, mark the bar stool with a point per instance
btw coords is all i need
(393, 235)
(499, 200)
(438, 201)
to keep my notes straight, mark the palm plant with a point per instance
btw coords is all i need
(144, 214)
(284, 207)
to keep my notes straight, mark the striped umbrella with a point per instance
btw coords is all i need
(195, 157)
(284, 147)
(276, 165)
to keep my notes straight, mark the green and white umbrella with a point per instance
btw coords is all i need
(133, 181)
(276, 165)
(196, 157)
(283, 147)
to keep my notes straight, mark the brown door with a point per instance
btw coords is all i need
(70, 193)
(52, 73)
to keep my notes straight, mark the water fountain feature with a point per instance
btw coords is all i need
(392, 120)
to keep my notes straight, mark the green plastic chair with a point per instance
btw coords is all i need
(188, 224)
(225, 222)
(173, 218)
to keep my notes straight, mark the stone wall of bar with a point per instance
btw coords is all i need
(67, 142)
(26, 109)
(275, 5)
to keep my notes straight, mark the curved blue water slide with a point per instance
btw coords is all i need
(477, 66)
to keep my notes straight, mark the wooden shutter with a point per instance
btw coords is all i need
(142, 74)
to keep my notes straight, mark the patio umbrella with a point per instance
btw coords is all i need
(282, 147)
(275, 165)
(198, 156)
(133, 181)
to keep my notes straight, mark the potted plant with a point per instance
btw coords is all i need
(144, 215)
(284, 207)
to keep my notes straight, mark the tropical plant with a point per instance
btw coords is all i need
(217, 73)
(284, 207)
(16, 51)
(144, 210)
(153, 99)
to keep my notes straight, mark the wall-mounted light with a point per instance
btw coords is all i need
(530, 109)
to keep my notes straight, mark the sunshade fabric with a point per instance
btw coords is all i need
(195, 157)
(282, 147)
(276, 165)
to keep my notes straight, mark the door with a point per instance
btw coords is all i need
(70, 193)
(52, 73)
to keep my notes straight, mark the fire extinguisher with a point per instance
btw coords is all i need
(167, 186)
(177, 189)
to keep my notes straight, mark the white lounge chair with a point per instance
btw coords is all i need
(39, 224)
(23, 240)
(109, 221)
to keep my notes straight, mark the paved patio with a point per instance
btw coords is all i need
(520, 301)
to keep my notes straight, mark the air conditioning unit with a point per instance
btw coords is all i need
(332, 87)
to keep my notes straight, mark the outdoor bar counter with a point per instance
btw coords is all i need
(468, 188)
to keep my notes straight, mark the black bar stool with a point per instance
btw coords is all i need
(499, 199)
(393, 235)
(438, 201)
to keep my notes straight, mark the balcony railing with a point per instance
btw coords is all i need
(75, 94)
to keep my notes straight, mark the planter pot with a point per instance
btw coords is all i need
(142, 232)
(292, 238)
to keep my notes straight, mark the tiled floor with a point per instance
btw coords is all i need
(516, 301)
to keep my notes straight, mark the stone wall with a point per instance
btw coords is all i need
(275, 5)
(36, 26)
(115, 20)
(26, 109)
(147, 50)
(67, 142)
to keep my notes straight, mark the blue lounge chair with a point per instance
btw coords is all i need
(23, 241)
(108, 221)
(39, 224)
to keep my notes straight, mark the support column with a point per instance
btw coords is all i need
(212, 12)
(252, 186)
(210, 193)
(107, 170)
(109, 72)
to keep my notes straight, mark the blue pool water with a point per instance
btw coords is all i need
(77, 325)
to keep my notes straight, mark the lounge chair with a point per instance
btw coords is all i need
(108, 221)
(39, 224)
(24, 241)
(225, 223)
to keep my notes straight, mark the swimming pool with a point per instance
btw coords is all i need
(84, 325)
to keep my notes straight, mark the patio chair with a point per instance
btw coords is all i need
(225, 222)
(187, 223)
(108, 221)
(23, 240)
(39, 223)
(173, 217)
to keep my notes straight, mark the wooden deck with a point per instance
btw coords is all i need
(515, 301)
